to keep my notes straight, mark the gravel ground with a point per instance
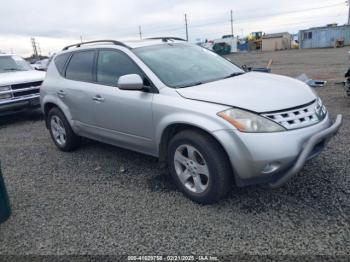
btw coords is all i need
(106, 200)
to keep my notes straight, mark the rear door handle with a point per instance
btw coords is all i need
(98, 98)
(61, 93)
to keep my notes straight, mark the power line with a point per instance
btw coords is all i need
(249, 18)
(283, 24)
(270, 15)
(156, 29)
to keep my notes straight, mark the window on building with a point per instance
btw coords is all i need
(307, 35)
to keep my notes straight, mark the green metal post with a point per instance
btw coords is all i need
(5, 210)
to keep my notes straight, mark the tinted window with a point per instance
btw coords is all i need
(60, 61)
(80, 66)
(113, 64)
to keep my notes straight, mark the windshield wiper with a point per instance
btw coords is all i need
(204, 82)
(193, 84)
(12, 69)
(234, 74)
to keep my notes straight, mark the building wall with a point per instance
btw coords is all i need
(273, 44)
(324, 37)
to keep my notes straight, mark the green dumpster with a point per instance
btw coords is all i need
(222, 48)
(5, 210)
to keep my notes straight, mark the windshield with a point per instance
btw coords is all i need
(13, 63)
(182, 65)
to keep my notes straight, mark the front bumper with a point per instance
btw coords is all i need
(307, 150)
(8, 106)
(250, 154)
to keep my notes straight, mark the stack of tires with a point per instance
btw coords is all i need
(5, 210)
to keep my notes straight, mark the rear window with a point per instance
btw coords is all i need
(80, 66)
(60, 62)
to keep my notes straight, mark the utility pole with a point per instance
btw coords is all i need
(35, 50)
(186, 27)
(231, 23)
(140, 32)
(81, 39)
(348, 3)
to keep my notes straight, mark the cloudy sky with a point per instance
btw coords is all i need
(55, 24)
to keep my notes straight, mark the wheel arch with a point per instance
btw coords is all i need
(49, 104)
(172, 129)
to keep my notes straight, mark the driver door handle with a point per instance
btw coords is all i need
(98, 98)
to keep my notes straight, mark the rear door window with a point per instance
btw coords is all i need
(80, 66)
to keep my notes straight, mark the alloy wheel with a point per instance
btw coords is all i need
(191, 168)
(58, 130)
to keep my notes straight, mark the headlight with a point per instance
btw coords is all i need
(319, 101)
(3, 89)
(320, 109)
(248, 122)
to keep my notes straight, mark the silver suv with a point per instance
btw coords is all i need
(205, 117)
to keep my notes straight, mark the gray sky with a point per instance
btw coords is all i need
(58, 23)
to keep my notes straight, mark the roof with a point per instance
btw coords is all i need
(330, 27)
(128, 44)
(148, 42)
(276, 35)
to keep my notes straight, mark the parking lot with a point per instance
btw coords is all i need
(106, 200)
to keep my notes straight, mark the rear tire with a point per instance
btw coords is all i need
(61, 132)
(199, 166)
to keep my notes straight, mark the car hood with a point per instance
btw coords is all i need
(19, 77)
(259, 92)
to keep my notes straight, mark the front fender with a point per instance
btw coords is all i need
(203, 122)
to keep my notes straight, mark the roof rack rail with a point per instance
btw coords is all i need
(166, 38)
(96, 41)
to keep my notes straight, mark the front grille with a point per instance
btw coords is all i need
(26, 93)
(297, 117)
(26, 85)
(26, 89)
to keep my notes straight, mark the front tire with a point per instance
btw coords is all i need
(199, 166)
(61, 132)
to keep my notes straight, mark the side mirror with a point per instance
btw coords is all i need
(130, 82)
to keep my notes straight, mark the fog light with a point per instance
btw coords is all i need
(270, 168)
